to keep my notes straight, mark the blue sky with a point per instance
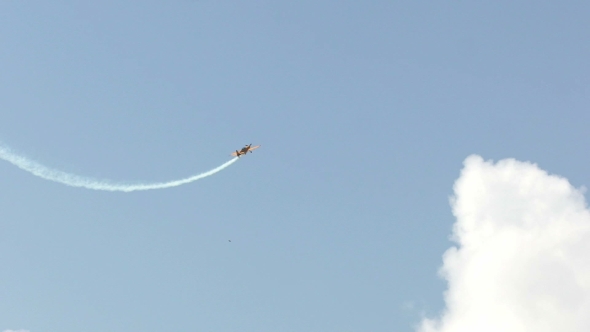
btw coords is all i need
(365, 111)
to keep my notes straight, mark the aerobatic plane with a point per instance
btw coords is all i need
(244, 150)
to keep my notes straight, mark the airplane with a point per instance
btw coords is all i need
(247, 148)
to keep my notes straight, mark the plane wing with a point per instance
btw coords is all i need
(254, 147)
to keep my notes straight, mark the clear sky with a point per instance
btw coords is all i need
(365, 110)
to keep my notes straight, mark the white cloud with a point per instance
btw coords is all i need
(523, 256)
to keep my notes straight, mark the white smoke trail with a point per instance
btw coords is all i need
(73, 180)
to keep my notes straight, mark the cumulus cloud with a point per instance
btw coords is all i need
(522, 260)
